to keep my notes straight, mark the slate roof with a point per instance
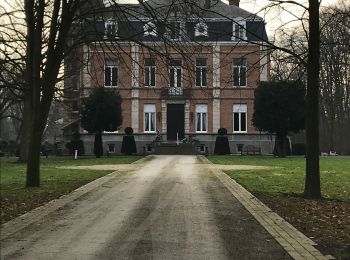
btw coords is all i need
(132, 17)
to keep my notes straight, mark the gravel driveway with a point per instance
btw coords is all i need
(172, 207)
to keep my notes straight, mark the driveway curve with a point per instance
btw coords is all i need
(173, 207)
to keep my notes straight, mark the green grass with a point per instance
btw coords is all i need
(16, 199)
(287, 175)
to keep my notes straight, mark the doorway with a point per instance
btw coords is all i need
(175, 121)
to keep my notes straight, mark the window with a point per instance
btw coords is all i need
(240, 118)
(201, 118)
(239, 31)
(150, 73)
(174, 30)
(175, 73)
(150, 118)
(201, 72)
(150, 29)
(111, 148)
(111, 73)
(201, 29)
(239, 72)
(111, 29)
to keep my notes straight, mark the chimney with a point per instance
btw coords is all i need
(233, 2)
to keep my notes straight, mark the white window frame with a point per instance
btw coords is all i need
(149, 109)
(200, 110)
(239, 30)
(150, 29)
(201, 72)
(114, 33)
(240, 109)
(240, 67)
(201, 26)
(150, 67)
(110, 64)
(176, 68)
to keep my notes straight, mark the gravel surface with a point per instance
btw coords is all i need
(172, 207)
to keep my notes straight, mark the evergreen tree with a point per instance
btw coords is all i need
(101, 112)
(279, 109)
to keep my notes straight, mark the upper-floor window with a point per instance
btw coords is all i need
(175, 72)
(201, 72)
(201, 29)
(111, 29)
(240, 118)
(111, 73)
(150, 72)
(201, 118)
(239, 31)
(149, 118)
(239, 72)
(150, 29)
(174, 30)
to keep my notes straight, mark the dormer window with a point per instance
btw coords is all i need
(201, 29)
(150, 29)
(174, 30)
(239, 30)
(111, 29)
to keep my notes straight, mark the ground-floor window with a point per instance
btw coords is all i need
(111, 148)
(240, 118)
(150, 118)
(201, 118)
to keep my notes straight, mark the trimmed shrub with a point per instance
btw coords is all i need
(222, 131)
(128, 130)
(128, 145)
(222, 146)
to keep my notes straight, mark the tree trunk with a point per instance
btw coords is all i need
(24, 134)
(312, 180)
(33, 164)
(280, 149)
(98, 149)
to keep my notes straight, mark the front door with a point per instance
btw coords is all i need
(175, 121)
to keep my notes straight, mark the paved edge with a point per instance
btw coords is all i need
(17, 224)
(297, 245)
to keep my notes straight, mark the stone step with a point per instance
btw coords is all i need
(173, 148)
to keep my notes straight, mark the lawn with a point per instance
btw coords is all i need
(327, 220)
(16, 200)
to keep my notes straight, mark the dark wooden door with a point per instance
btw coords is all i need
(175, 121)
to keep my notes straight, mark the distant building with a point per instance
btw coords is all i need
(181, 71)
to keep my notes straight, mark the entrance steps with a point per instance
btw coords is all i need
(168, 148)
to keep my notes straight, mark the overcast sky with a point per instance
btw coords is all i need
(275, 17)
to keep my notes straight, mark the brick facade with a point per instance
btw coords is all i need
(220, 95)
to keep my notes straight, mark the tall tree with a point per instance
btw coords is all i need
(279, 109)
(101, 112)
